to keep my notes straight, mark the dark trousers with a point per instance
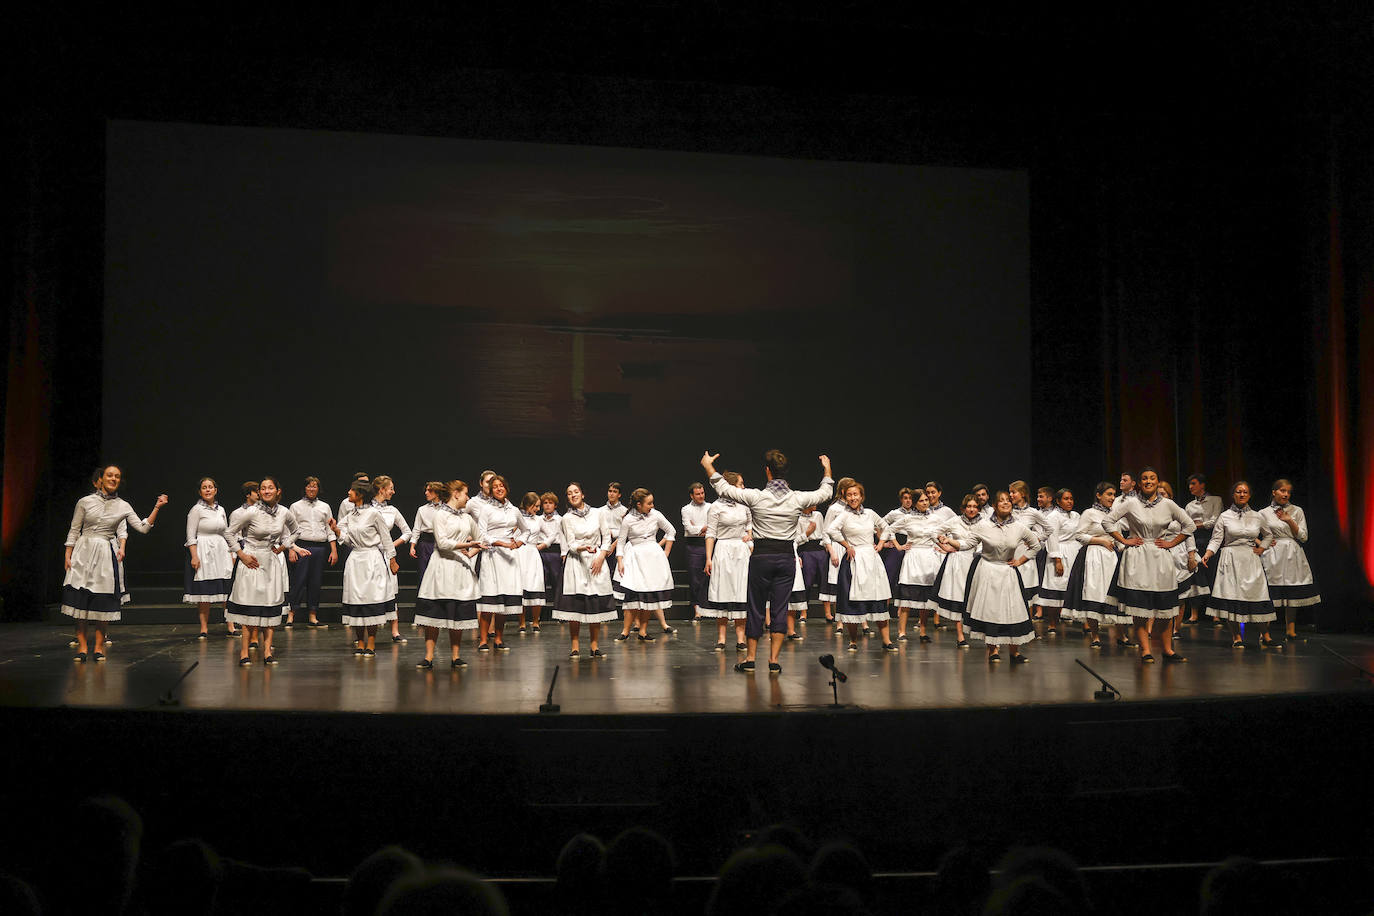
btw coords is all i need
(696, 571)
(306, 574)
(771, 576)
(424, 549)
(553, 576)
(815, 570)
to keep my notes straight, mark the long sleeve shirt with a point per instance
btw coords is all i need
(363, 528)
(857, 528)
(921, 528)
(1092, 523)
(498, 522)
(1000, 540)
(424, 521)
(1148, 520)
(775, 509)
(393, 519)
(1279, 529)
(1204, 511)
(694, 520)
(263, 527)
(637, 528)
(614, 515)
(98, 515)
(313, 515)
(550, 531)
(888, 534)
(205, 521)
(806, 533)
(1239, 529)
(727, 520)
(452, 527)
(960, 530)
(588, 528)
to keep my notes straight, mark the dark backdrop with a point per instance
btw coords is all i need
(1201, 249)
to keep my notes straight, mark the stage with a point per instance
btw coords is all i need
(670, 675)
(323, 758)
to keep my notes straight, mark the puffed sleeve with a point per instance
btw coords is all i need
(141, 525)
(1031, 541)
(192, 525)
(1218, 534)
(78, 521)
(669, 532)
(401, 523)
(1185, 522)
(290, 529)
(383, 532)
(713, 521)
(565, 528)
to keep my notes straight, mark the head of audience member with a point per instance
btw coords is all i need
(788, 837)
(579, 873)
(1027, 896)
(107, 846)
(637, 872)
(374, 878)
(843, 865)
(1052, 866)
(1237, 886)
(822, 900)
(962, 881)
(17, 897)
(442, 892)
(754, 880)
(182, 879)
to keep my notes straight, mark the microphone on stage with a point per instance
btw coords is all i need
(828, 663)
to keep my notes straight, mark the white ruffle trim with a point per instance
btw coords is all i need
(248, 621)
(864, 618)
(1003, 640)
(203, 599)
(586, 618)
(443, 623)
(647, 605)
(83, 614)
(1150, 613)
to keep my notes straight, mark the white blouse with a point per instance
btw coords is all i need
(1065, 524)
(999, 542)
(592, 529)
(451, 528)
(1150, 520)
(207, 521)
(727, 520)
(1204, 511)
(921, 529)
(960, 531)
(363, 528)
(529, 529)
(614, 515)
(855, 528)
(1239, 529)
(1279, 529)
(261, 528)
(424, 521)
(1092, 524)
(498, 522)
(393, 518)
(99, 516)
(818, 534)
(550, 530)
(636, 528)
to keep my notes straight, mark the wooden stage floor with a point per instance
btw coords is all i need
(678, 674)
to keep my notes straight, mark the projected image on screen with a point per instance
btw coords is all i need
(309, 302)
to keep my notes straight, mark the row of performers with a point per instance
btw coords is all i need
(521, 550)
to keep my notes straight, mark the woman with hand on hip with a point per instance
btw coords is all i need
(921, 561)
(1087, 594)
(1146, 583)
(369, 569)
(727, 565)
(959, 547)
(996, 610)
(646, 580)
(447, 599)
(93, 589)
(1285, 562)
(862, 589)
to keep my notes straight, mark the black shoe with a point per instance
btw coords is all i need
(502, 647)
(925, 637)
(72, 644)
(1270, 644)
(868, 631)
(369, 653)
(245, 662)
(357, 651)
(522, 629)
(270, 660)
(1237, 644)
(575, 653)
(1292, 639)
(901, 637)
(79, 657)
(634, 629)
(1051, 631)
(398, 639)
(669, 631)
(744, 667)
(234, 635)
(597, 653)
(852, 647)
(425, 664)
(203, 635)
(535, 628)
(1125, 643)
(483, 647)
(891, 647)
(794, 636)
(622, 637)
(1173, 658)
(457, 663)
(720, 647)
(317, 625)
(646, 637)
(774, 668)
(1019, 659)
(98, 657)
(942, 626)
(1095, 644)
(1147, 659)
(995, 657)
(252, 646)
(288, 625)
(741, 647)
(961, 644)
